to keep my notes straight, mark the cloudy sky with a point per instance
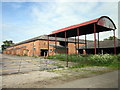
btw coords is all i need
(24, 20)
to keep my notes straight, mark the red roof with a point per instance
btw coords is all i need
(103, 23)
(75, 26)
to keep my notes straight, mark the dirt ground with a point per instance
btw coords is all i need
(16, 64)
(42, 78)
(27, 80)
(0, 82)
(46, 79)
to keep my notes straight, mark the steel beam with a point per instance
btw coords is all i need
(85, 43)
(55, 43)
(114, 43)
(98, 44)
(78, 34)
(66, 49)
(94, 38)
(75, 46)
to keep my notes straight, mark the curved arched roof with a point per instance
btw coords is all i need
(103, 23)
(106, 22)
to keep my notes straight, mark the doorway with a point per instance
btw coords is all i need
(44, 52)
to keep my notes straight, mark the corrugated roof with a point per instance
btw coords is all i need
(45, 37)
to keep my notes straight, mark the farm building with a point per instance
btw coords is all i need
(95, 26)
(60, 41)
(38, 46)
(105, 47)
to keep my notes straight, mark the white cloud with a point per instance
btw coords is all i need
(47, 17)
(62, 14)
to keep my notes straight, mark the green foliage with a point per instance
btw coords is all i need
(57, 64)
(25, 54)
(90, 60)
(78, 66)
(61, 57)
(105, 59)
(6, 44)
(110, 38)
(17, 55)
(35, 56)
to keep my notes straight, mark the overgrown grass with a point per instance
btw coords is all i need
(61, 57)
(35, 56)
(17, 55)
(90, 60)
(25, 55)
(57, 64)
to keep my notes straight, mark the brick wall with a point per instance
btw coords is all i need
(34, 48)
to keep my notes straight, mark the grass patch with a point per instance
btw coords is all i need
(51, 70)
(108, 60)
(35, 56)
(57, 64)
(25, 55)
(17, 55)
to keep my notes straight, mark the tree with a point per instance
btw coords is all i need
(110, 38)
(6, 44)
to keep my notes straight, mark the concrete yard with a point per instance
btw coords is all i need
(86, 77)
(16, 64)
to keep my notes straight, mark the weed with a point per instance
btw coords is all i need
(108, 60)
(35, 56)
(17, 55)
(57, 64)
(25, 55)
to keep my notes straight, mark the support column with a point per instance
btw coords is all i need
(48, 46)
(94, 38)
(75, 46)
(55, 43)
(114, 43)
(85, 44)
(78, 34)
(98, 44)
(66, 50)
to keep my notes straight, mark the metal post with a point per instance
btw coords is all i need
(85, 43)
(48, 46)
(75, 46)
(78, 34)
(114, 43)
(55, 43)
(66, 51)
(98, 44)
(94, 39)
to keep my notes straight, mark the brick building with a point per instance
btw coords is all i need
(38, 46)
(48, 45)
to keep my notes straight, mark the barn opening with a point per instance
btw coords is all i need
(44, 52)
